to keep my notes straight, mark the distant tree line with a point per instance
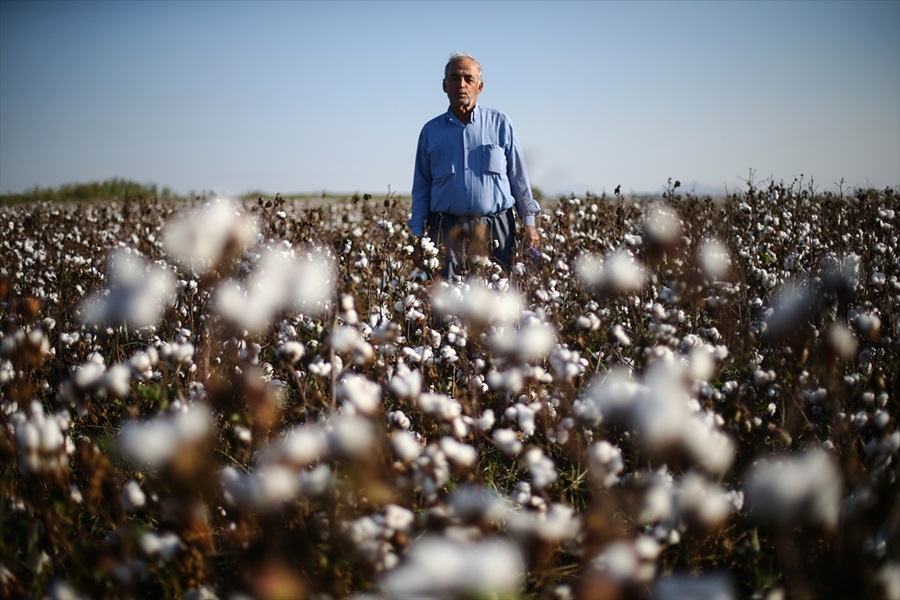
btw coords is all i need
(115, 188)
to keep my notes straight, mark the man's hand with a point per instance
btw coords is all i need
(532, 237)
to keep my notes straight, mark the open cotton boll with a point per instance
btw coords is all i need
(618, 273)
(803, 487)
(137, 293)
(200, 238)
(662, 226)
(301, 445)
(441, 567)
(360, 393)
(714, 258)
(154, 443)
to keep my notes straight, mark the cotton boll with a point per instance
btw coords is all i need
(200, 238)
(841, 341)
(360, 393)
(806, 487)
(133, 497)
(541, 468)
(351, 436)
(302, 445)
(714, 259)
(405, 383)
(460, 454)
(441, 567)
(290, 352)
(605, 463)
(507, 441)
(405, 446)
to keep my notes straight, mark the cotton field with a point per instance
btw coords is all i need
(677, 398)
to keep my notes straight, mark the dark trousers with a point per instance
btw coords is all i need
(464, 238)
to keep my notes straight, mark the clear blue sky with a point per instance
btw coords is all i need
(310, 96)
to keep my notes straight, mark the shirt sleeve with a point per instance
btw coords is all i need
(526, 206)
(421, 189)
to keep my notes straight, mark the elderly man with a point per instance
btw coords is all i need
(469, 176)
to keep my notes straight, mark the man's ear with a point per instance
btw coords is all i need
(480, 86)
(444, 85)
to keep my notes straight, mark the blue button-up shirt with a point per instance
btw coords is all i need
(470, 169)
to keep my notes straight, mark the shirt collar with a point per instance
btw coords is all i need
(473, 118)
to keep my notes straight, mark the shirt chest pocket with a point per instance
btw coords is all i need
(494, 159)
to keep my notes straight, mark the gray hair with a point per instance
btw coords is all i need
(457, 56)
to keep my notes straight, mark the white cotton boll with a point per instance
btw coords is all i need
(486, 421)
(806, 487)
(155, 442)
(541, 468)
(137, 294)
(360, 393)
(476, 503)
(405, 383)
(199, 239)
(621, 337)
(841, 341)
(133, 497)
(556, 524)
(661, 225)
(712, 449)
(312, 283)
(507, 441)
(658, 502)
(623, 273)
(88, 375)
(351, 436)
(701, 362)
(52, 438)
(614, 393)
(303, 445)
(460, 454)
(118, 380)
(163, 546)
(273, 485)
(605, 463)
(28, 436)
(445, 568)
(619, 561)
(703, 501)
(405, 446)
(714, 259)
(291, 352)
(348, 341)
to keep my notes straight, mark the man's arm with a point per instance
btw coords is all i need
(520, 186)
(421, 189)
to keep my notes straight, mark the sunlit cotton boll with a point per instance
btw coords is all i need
(804, 488)
(280, 281)
(662, 226)
(714, 259)
(477, 304)
(440, 567)
(362, 395)
(618, 273)
(137, 293)
(530, 343)
(154, 443)
(200, 239)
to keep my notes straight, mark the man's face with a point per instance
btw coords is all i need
(462, 84)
